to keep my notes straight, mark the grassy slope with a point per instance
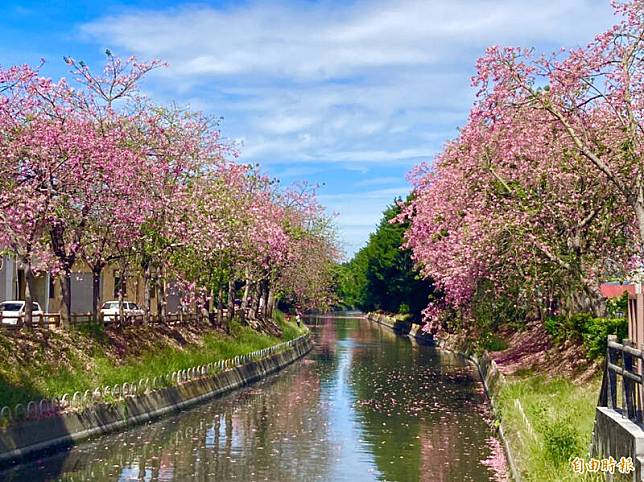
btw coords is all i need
(561, 414)
(558, 394)
(43, 364)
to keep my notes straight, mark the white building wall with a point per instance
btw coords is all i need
(7, 279)
(81, 292)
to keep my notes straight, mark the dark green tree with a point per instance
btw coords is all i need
(382, 276)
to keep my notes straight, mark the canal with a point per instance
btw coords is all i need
(363, 405)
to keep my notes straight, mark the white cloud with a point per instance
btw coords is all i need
(327, 41)
(377, 181)
(382, 156)
(287, 124)
(365, 83)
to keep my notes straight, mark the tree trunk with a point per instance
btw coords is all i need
(162, 295)
(67, 260)
(220, 305)
(157, 290)
(231, 299)
(64, 297)
(164, 298)
(197, 303)
(252, 300)
(244, 303)
(265, 298)
(270, 302)
(96, 290)
(211, 306)
(120, 298)
(29, 285)
(147, 299)
(202, 303)
(258, 301)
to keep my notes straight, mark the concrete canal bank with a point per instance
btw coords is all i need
(403, 327)
(32, 435)
(365, 405)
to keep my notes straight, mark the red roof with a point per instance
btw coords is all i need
(615, 290)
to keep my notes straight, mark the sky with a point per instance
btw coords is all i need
(346, 94)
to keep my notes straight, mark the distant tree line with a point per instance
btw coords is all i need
(382, 276)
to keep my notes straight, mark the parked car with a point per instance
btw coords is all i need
(12, 311)
(110, 310)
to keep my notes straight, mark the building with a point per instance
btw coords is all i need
(615, 289)
(12, 287)
(12, 283)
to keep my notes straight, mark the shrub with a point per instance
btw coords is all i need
(590, 331)
(597, 331)
(491, 342)
(561, 441)
(553, 326)
(563, 328)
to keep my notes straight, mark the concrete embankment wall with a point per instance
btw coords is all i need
(491, 376)
(26, 438)
(412, 330)
(493, 380)
(616, 436)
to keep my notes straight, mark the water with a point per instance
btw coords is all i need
(364, 405)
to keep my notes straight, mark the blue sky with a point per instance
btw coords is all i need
(351, 94)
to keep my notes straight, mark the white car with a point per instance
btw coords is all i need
(12, 311)
(110, 310)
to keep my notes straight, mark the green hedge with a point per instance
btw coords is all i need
(583, 328)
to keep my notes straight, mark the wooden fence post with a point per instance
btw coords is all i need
(639, 400)
(603, 391)
(612, 377)
(627, 383)
(638, 329)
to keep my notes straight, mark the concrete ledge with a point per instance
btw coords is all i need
(493, 380)
(407, 328)
(25, 439)
(617, 436)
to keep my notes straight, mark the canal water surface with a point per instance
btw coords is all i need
(363, 405)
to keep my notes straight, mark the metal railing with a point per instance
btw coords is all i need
(53, 320)
(43, 320)
(622, 382)
(77, 319)
(81, 400)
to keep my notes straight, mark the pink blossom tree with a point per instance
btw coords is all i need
(94, 171)
(532, 201)
(593, 94)
(27, 189)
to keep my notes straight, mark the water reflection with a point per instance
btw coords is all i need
(365, 405)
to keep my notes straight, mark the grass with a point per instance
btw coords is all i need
(214, 347)
(290, 330)
(46, 366)
(491, 342)
(561, 415)
(402, 317)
